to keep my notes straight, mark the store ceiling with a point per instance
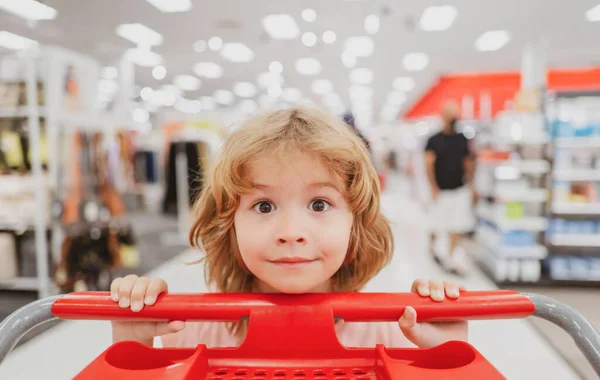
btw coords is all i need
(89, 26)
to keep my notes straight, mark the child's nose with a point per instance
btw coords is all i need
(290, 231)
(287, 239)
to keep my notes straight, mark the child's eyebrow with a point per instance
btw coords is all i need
(325, 184)
(260, 186)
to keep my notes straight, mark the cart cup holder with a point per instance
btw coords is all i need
(450, 355)
(135, 356)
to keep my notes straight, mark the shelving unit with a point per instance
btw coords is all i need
(573, 237)
(43, 70)
(511, 177)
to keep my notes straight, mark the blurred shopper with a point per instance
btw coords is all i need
(449, 166)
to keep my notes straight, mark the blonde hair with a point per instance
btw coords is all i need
(281, 132)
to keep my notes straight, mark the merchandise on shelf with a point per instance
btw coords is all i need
(573, 267)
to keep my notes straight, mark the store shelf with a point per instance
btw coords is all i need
(545, 281)
(20, 283)
(521, 195)
(527, 140)
(565, 208)
(571, 174)
(528, 223)
(575, 240)
(577, 142)
(490, 240)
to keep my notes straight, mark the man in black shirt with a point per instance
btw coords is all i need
(449, 167)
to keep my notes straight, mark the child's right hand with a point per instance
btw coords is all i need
(136, 292)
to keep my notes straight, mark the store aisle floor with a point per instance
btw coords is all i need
(513, 346)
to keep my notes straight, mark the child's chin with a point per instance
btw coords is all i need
(294, 288)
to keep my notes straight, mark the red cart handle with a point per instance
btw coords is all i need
(349, 306)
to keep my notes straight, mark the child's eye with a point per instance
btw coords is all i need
(264, 207)
(319, 205)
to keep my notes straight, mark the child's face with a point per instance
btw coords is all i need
(293, 228)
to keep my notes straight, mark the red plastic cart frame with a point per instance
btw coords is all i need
(298, 331)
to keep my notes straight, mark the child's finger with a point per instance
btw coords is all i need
(421, 287)
(164, 328)
(409, 326)
(452, 290)
(125, 288)
(176, 326)
(156, 287)
(437, 290)
(114, 289)
(138, 293)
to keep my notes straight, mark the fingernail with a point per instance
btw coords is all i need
(437, 294)
(115, 297)
(453, 293)
(137, 306)
(124, 302)
(149, 300)
(409, 312)
(423, 290)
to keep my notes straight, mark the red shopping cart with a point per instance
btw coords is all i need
(294, 337)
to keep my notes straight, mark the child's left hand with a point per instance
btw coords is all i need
(432, 334)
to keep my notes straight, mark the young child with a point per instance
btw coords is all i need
(292, 206)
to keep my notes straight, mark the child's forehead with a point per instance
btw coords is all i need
(298, 167)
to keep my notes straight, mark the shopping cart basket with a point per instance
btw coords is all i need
(294, 337)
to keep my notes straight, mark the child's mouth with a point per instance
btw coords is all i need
(292, 261)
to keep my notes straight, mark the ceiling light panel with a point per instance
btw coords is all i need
(321, 86)
(438, 18)
(308, 66)
(159, 72)
(309, 39)
(143, 57)
(372, 24)
(361, 76)
(139, 34)
(208, 70)
(276, 67)
(593, 14)
(348, 59)
(492, 40)
(415, 61)
(359, 46)
(405, 84)
(237, 52)
(309, 15)
(224, 97)
(28, 9)
(329, 37)
(281, 26)
(15, 42)
(171, 6)
(187, 82)
(244, 89)
(215, 43)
